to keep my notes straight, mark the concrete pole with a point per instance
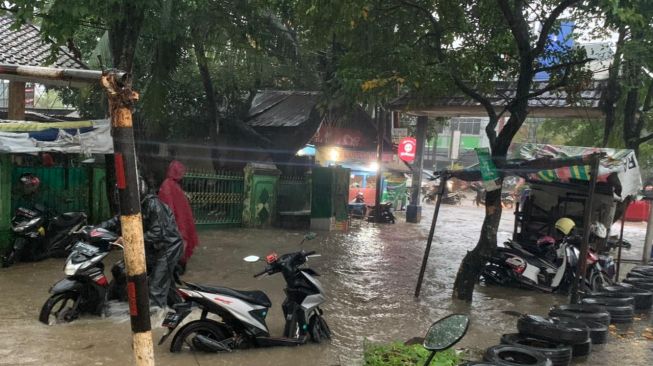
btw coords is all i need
(414, 209)
(381, 123)
(121, 100)
(648, 241)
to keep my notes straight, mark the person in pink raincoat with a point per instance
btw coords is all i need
(172, 195)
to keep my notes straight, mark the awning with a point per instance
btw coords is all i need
(79, 137)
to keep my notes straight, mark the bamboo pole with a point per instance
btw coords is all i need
(427, 250)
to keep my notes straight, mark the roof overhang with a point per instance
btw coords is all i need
(476, 111)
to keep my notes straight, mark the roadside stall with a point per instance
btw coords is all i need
(563, 191)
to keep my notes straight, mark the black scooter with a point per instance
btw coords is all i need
(385, 216)
(39, 234)
(243, 313)
(85, 288)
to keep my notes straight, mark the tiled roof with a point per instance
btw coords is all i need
(589, 97)
(281, 108)
(26, 47)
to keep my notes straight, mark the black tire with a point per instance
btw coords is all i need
(56, 309)
(318, 329)
(582, 349)
(641, 285)
(595, 313)
(553, 329)
(610, 298)
(206, 328)
(598, 332)
(644, 276)
(618, 314)
(505, 355)
(558, 353)
(643, 299)
(647, 270)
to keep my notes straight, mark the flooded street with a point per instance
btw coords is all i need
(369, 275)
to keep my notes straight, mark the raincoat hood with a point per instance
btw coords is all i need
(176, 171)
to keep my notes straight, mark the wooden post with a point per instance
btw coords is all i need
(427, 250)
(581, 269)
(121, 100)
(621, 239)
(16, 107)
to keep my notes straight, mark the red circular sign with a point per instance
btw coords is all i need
(407, 148)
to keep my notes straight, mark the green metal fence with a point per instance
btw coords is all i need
(216, 198)
(294, 194)
(64, 189)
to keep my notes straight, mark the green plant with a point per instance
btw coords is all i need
(398, 354)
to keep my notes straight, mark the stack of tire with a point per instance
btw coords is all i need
(641, 278)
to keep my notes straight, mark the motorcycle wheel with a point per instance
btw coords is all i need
(59, 308)
(186, 336)
(318, 329)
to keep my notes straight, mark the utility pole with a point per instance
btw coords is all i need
(648, 240)
(414, 209)
(381, 122)
(121, 100)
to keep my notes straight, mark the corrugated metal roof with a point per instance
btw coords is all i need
(276, 108)
(26, 47)
(589, 97)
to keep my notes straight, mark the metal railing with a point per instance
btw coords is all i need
(216, 198)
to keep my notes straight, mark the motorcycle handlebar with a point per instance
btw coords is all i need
(261, 273)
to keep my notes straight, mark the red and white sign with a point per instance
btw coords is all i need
(407, 148)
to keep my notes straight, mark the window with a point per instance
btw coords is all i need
(466, 126)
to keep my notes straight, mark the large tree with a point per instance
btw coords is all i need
(432, 48)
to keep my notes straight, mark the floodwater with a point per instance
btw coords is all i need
(369, 274)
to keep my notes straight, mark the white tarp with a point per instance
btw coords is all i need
(96, 141)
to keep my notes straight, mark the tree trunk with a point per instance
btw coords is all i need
(612, 90)
(631, 132)
(209, 91)
(472, 265)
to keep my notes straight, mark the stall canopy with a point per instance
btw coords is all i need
(79, 137)
(615, 163)
(618, 169)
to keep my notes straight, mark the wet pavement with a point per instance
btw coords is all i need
(369, 275)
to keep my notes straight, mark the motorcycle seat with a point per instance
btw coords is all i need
(254, 297)
(68, 219)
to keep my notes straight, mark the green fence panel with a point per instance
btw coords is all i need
(62, 189)
(100, 209)
(294, 194)
(215, 198)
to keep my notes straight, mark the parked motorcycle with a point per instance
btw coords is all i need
(39, 234)
(514, 265)
(85, 288)
(243, 313)
(386, 215)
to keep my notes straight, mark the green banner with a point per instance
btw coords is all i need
(488, 170)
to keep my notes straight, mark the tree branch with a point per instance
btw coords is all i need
(485, 102)
(548, 24)
(645, 138)
(518, 26)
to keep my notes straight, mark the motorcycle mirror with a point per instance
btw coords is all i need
(446, 332)
(251, 258)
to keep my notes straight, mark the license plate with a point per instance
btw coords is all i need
(171, 320)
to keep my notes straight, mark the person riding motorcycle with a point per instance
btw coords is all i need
(163, 245)
(360, 198)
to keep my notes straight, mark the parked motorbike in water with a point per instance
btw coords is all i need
(39, 234)
(243, 313)
(85, 288)
(551, 270)
(386, 215)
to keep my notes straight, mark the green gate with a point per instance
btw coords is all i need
(215, 198)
